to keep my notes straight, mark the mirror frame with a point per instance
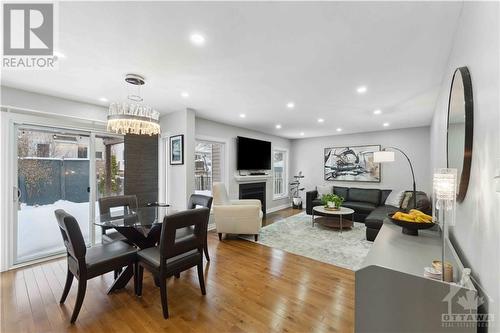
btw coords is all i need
(469, 130)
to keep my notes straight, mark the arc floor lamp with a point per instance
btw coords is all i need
(385, 155)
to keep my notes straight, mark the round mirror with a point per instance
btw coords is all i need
(460, 128)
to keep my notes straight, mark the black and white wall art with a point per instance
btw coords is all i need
(353, 163)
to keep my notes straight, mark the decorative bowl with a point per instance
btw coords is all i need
(411, 228)
(331, 208)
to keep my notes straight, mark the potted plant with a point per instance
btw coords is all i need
(332, 201)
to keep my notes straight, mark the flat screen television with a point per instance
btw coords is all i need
(253, 154)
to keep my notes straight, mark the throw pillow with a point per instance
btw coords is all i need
(406, 200)
(395, 198)
(324, 189)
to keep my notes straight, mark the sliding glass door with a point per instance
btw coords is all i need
(62, 169)
(52, 173)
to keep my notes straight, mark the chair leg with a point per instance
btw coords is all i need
(205, 249)
(82, 287)
(67, 286)
(117, 273)
(200, 278)
(138, 275)
(220, 236)
(163, 294)
(256, 237)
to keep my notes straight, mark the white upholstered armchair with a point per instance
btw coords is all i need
(235, 216)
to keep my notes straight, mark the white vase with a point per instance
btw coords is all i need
(297, 201)
(330, 204)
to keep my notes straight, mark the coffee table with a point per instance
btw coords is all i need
(330, 213)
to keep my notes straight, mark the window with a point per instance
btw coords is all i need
(82, 151)
(42, 150)
(208, 166)
(280, 174)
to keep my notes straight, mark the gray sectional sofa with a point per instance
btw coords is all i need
(368, 205)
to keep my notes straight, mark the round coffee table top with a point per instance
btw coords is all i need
(341, 211)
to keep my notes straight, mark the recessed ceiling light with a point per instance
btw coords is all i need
(103, 99)
(278, 126)
(184, 94)
(386, 124)
(197, 39)
(290, 105)
(59, 55)
(301, 133)
(377, 112)
(243, 115)
(361, 89)
(339, 129)
(321, 120)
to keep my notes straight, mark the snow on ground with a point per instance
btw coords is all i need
(38, 232)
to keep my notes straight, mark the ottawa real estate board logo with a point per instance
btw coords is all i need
(28, 36)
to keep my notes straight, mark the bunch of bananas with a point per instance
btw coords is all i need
(413, 215)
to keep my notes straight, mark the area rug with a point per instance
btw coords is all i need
(296, 235)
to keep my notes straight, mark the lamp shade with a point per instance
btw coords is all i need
(383, 156)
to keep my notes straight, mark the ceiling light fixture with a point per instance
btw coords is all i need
(301, 133)
(290, 105)
(184, 94)
(131, 116)
(197, 39)
(278, 126)
(377, 112)
(243, 115)
(386, 124)
(321, 120)
(339, 129)
(103, 99)
(361, 89)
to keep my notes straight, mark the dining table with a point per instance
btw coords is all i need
(140, 226)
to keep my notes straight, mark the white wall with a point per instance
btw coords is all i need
(227, 133)
(477, 230)
(180, 178)
(307, 156)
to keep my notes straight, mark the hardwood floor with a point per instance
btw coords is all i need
(250, 288)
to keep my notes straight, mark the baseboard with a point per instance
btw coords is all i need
(275, 209)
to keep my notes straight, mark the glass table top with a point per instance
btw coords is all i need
(133, 218)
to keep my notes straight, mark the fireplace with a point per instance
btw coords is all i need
(254, 191)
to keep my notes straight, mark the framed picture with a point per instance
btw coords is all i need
(177, 149)
(353, 163)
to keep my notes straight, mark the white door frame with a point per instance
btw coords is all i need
(10, 229)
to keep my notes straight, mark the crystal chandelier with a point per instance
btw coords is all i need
(132, 117)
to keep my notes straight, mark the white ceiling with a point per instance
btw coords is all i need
(257, 57)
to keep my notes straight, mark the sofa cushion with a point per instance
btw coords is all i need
(360, 207)
(370, 195)
(324, 189)
(341, 191)
(384, 194)
(378, 215)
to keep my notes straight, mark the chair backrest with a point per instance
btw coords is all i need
(71, 234)
(128, 201)
(199, 200)
(195, 218)
(220, 194)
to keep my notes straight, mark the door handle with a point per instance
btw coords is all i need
(88, 189)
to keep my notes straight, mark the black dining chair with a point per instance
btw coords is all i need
(85, 264)
(175, 255)
(105, 204)
(196, 201)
